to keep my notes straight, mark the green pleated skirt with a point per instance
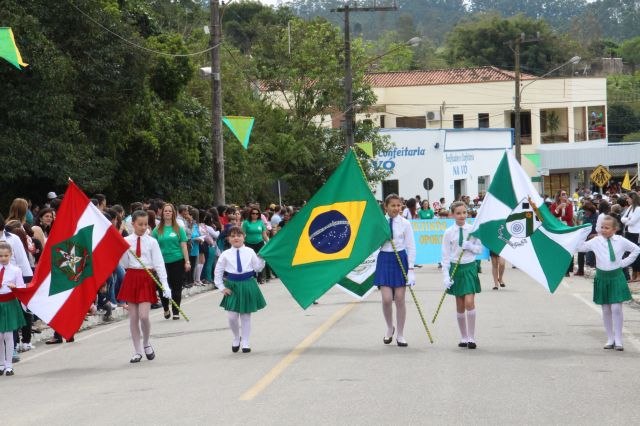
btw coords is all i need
(465, 280)
(11, 316)
(610, 287)
(245, 296)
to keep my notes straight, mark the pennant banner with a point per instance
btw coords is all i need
(366, 147)
(339, 227)
(515, 223)
(240, 127)
(626, 183)
(82, 251)
(8, 48)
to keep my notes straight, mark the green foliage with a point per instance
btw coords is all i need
(622, 120)
(632, 137)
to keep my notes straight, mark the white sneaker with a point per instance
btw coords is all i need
(27, 347)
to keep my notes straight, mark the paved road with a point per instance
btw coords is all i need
(539, 361)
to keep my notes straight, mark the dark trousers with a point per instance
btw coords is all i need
(175, 277)
(25, 331)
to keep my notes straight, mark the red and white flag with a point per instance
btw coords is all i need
(81, 252)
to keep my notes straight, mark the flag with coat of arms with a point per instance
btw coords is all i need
(339, 227)
(81, 252)
(515, 223)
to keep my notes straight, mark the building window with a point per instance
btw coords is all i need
(458, 121)
(382, 121)
(483, 120)
(419, 122)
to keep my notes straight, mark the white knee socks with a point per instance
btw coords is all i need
(471, 325)
(234, 325)
(462, 324)
(616, 313)
(6, 348)
(245, 329)
(608, 323)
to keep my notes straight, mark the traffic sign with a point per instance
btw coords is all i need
(428, 184)
(600, 176)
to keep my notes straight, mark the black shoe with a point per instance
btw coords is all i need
(8, 372)
(71, 340)
(167, 314)
(246, 350)
(386, 340)
(135, 358)
(495, 288)
(150, 356)
(618, 348)
(608, 346)
(53, 341)
(471, 345)
(462, 344)
(402, 344)
(156, 306)
(235, 349)
(176, 317)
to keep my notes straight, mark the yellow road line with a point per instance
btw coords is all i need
(268, 378)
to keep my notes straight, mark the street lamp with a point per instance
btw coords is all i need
(349, 112)
(518, 131)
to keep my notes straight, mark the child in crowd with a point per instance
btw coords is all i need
(460, 272)
(238, 266)
(11, 316)
(610, 287)
(393, 273)
(138, 288)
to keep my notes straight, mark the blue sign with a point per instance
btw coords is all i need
(428, 237)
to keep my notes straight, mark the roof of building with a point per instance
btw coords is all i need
(443, 76)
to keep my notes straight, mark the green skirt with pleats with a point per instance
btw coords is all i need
(465, 280)
(610, 287)
(11, 316)
(245, 296)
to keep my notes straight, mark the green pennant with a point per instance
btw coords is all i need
(366, 147)
(240, 127)
(534, 158)
(71, 261)
(8, 48)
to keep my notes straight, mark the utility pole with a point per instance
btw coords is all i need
(217, 147)
(514, 45)
(349, 108)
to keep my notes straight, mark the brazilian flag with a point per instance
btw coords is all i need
(339, 227)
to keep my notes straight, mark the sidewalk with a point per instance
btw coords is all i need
(92, 321)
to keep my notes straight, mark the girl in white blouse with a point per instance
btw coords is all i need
(394, 269)
(610, 287)
(631, 220)
(460, 273)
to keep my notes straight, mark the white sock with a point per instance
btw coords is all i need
(471, 325)
(7, 338)
(234, 326)
(462, 324)
(608, 323)
(616, 313)
(199, 267)
(245, 329)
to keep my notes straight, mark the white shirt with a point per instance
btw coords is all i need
(451, 249)
(228, 262)
(150, 255)
(620, 245)
(631, 219)
(12, 275)
(19, 255)
(402, 239)
(275, 220)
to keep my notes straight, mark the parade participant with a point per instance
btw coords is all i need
(11, 317)
(172, 240)
(610, 287)
(138, 287)
(497, 270)
(235, 275)
(256, 234)
(392, 269)
(461, 272)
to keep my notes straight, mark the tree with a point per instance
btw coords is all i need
(622, 120)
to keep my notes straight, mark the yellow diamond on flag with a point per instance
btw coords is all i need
(329, 233)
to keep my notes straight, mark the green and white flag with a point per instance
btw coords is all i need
(359, 282)
(515, 223)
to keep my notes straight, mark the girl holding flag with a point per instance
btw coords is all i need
(11, 317)
(610, 287)
(138, 288)
(393, 273)
(460, 272)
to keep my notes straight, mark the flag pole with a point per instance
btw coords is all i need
(153, 277)
(404, 274)
(444, 293)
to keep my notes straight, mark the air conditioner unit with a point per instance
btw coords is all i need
(433, 115)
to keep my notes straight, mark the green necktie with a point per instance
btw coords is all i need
(460, 237)
(612, 255)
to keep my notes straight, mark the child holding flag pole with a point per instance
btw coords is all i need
(138, 287)
(463, 282)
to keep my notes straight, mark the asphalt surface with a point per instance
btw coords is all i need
(539, 361)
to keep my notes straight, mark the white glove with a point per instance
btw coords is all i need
(166, 292)
(411, 278)
(468, 245)
(447, 282)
